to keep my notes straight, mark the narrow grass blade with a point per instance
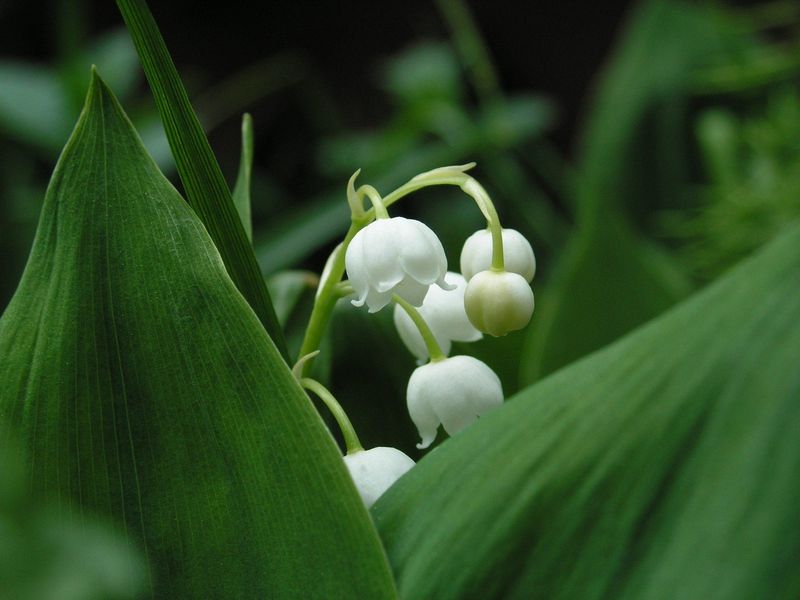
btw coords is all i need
(241, 190)
(206, 190)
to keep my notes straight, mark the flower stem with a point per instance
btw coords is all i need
(327, 297)
(431, 344)
(457, 176)
(351, 440)
(331, 291)
(481, 197)
(375, 198)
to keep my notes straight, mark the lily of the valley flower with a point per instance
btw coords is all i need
(394, 256)
(375, 470)
(443, 311)
(498, 302)
(452, 392)
(476, 255)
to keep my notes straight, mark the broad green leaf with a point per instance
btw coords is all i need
(143, 387)
(665, 466)
(610, 281)
(241, 190)
(206, 190)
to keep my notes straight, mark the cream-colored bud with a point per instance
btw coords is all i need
(498, 302)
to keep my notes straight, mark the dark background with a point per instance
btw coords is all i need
(552, 47)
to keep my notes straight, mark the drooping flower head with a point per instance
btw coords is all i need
(452, 392)
(498, 302)
(375, 470)
(394, 256)
(443, 311)
(476, 254)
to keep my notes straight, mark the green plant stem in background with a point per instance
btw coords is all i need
(351, 441)
(327, 297)
(70, 28)
(470, 45)
(431, 344)
(241, 190)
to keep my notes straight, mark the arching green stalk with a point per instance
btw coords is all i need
(351, 440)
(431, 344)
(481, 197)
(331, 291)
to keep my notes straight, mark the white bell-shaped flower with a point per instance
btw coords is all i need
(452, 392)
(375, 470)
(394, 256)
(443, 311)
(498, 302)
(476, 255)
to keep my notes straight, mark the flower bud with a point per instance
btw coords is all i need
(476, 255)
(498, 302)
(394, 256)
(443, 311)
(375, 470)
(452, 392)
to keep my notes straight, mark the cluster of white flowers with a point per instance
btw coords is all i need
(402, 261)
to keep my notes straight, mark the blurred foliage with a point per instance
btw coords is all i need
(47, 554)
(637, 162)
(752, 188)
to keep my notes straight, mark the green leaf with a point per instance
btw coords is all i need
(45, 556)
(143, 387)
(241, 190)
(610, 281)
(665, 466)
(206, 190)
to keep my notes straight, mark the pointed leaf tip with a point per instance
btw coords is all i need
(206, 190)
(125, 343)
